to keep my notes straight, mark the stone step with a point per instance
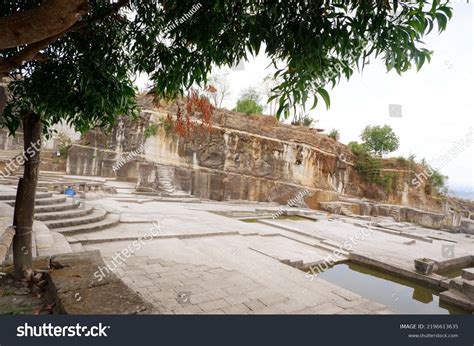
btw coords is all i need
(347, 211)
(68, 205)
(12, 197)
(455, 284)
(55, 199)
(43, 201)
(77, 247)
(61, 215)
(468, 288)
(468, 273)
(61, 245)
(95, 216)
(458, 299)
(109, 221)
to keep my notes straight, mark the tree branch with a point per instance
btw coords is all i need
(49, 19)
(3, 99)
(28, 53)
(32, 51)
(112, 10)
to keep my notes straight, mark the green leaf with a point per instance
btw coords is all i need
(442, 21)
(315, 102)
(325, 95)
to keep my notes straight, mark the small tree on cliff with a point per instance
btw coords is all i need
(380, 139)
(334, 134)
(249, 102)
(75, 60)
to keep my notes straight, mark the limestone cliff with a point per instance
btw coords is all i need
(242, 157)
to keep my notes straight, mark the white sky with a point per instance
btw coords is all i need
(437, 102)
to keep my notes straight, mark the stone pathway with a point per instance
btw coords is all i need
(234, 287)
(205, 260)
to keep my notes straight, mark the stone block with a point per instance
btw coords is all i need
(468, 273)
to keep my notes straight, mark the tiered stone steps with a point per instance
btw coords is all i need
(55, 208)
(165, 180)
(395, 213)
(94, 216)
(110, 220)
(62, 215)
(42, 200)
(345, 210)
(8, 197)
(461, 291)
(165, 177)
(65, 215)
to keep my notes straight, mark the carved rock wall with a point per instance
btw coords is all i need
(241, 157)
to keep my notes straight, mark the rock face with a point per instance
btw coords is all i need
(242, 157)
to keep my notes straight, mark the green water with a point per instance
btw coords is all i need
(452, 273)
(400, 295)
(250, 220)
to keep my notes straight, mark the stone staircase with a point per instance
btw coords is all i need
(65, 215)
(461, 291)
(395, 213)
(166, 185)
(165, 176)
(346, 210)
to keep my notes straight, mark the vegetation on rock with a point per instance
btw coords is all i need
(334, 134)
(380, 139)
(248, 102)
(150, 130)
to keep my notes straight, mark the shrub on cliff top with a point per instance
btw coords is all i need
(248, 102)
(436, 184)
(334, 134)
(248, 107)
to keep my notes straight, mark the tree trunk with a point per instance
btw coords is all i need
(25, 195)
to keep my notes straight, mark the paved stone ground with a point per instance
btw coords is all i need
(203, 262)
(221, 276)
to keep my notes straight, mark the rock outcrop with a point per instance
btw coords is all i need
(242, 157)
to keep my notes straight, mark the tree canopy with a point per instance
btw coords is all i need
(380, 139)
(248, 102)
(82, 71)
(248, 106)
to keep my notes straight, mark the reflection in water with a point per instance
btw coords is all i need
(424, 296)
(399, 294)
